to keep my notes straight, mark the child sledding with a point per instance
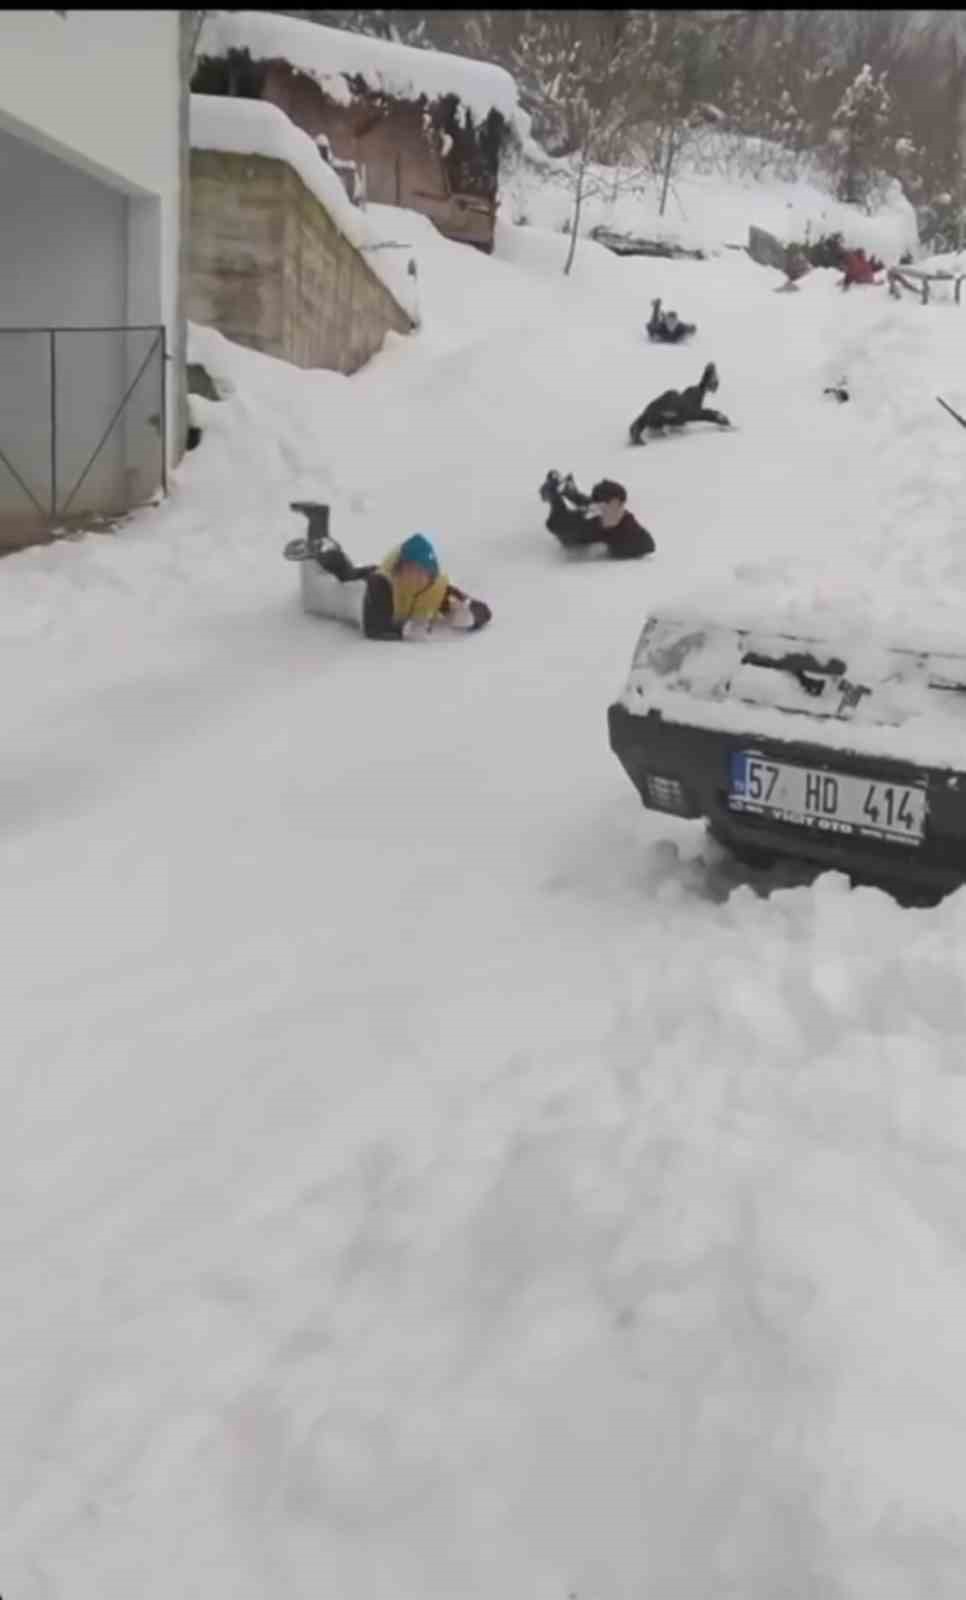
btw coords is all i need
(666, 327)
(403, 597)
(677, 407)
(579, 521)
(860, 269)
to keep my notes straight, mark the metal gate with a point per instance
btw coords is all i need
(82, 425)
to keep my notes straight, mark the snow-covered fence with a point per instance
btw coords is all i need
(920, 282)
(630, 244)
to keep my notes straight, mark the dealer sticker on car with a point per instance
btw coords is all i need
(834, 802)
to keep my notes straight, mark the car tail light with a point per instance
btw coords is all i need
(667, 794)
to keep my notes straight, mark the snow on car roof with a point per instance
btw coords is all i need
(331, 56)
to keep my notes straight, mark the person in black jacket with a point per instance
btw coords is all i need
(601, 518)
(675, 407)
(667, 327)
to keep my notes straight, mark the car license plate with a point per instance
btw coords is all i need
(832, 802)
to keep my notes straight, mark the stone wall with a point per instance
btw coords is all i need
(270, 270)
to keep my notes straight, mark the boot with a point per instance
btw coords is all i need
(572, 494)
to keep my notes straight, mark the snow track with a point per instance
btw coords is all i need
(423, 1177)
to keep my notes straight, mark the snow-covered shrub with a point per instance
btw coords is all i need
(942, 224)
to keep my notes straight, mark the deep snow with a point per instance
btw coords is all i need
(423, 1177)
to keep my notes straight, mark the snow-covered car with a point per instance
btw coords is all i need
(848, 755)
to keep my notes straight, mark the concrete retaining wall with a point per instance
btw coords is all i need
(270, 270)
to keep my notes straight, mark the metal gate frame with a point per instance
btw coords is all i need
(160, 332)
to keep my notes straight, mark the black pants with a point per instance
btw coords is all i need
(338, 564)
(571, 526)
(657, 421)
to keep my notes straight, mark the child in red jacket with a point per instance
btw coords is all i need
(859, 268)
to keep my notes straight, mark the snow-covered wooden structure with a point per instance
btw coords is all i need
(427, 128)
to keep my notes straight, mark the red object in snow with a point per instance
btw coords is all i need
(859, 268)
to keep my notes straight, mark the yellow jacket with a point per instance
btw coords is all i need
(415, 598)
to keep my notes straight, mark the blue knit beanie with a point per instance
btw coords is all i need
(420, 552)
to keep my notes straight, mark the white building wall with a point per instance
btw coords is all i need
(63, 245)
(64, 261)
(100, 90)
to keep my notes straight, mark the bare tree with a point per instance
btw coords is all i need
(577, 68)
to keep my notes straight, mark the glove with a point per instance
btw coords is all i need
(460, 615)
(467, 615)
(416, 630)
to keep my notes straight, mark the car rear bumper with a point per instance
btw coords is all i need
(682, 771)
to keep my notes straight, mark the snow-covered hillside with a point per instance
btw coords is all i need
(713, 199)
(426, 1175)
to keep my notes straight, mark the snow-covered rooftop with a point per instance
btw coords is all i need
(331, 56)
(255, 127)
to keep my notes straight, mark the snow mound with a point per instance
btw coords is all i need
(255, 127)
(884, 557)
(331, 56)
